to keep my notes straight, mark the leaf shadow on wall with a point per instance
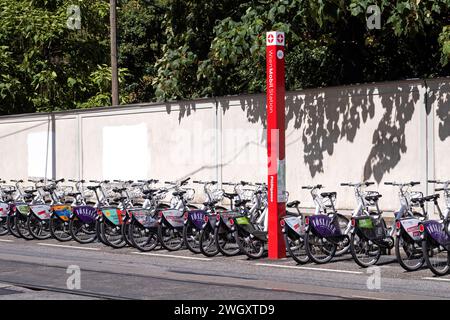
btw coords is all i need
(441, 97)
(324, 118)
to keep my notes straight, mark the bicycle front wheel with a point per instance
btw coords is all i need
(143, 239)
(3, 226)
(191, 237)
(112, 235)
(208, 243)
(170, 238)
(251, 247)
(11, 224)
(59, 229)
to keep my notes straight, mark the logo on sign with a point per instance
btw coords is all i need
(280, 38)
(270, 38)
(280, 54)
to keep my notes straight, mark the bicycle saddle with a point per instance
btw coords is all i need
(9, 192)
(230, 196)
(328, 194)
(210, 203)
(119, 190)
(150, 191)
(31, 191)
(374, 197)
(119, 199)
(239, 203)
(74, 194)
(293, 204)
(292, 214)
(93, 188)
(432, 197)
(179, 193)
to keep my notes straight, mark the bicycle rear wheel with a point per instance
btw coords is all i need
(170, 238)
(59, 229)
(436, 257)
(251, 247)
(226, 242)
(11, 224)
(191, 237)
(365, 252)
(21, 227)
(82, 232)
(39, 229)
(318, 249)
(143, 239)
(208, 243)
(409, 254)
(296, 249)
(112, 235)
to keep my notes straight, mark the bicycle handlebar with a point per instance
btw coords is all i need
(317, 186)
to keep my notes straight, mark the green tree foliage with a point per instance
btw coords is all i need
(182, 49)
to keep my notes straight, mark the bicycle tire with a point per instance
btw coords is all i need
(426, 247)
(151, 239)
(163, 230)
(218, 236)
(300, 259)
(251, 247)
(309, 237)
(37, 227)
(3, 226)
(21, 228)
(112, 235)
(59, 229)
(354, 253)
(400, 259)
(191, 237)
(76, 225)
(208, 245)
(11, 224)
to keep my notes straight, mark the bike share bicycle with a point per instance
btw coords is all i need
(6, 199)
(195, 220)
(369, 235)
(408, 244)
(143, 225)
(293, 229)
(435, 235)
(325, 231)
(171, 221)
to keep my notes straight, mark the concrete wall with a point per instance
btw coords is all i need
(394, 131)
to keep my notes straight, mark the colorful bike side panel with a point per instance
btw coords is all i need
(197, 217)
(226, 216)
(324, 226)
(4, 209)
(436, 231)
(145, 217)
(371, 228)
(42, 211)
(295, 224)
(62, 211)
(86, 214)
(174, 217)
(411, 226)
(22, 208)
(113, 215)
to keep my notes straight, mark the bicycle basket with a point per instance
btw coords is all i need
(246, 194)
(414, 195)
(217, 195)
(189, 195)
(370, 193)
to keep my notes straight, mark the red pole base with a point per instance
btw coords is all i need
(277, 247)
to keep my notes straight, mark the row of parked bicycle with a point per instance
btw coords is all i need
(119, 213)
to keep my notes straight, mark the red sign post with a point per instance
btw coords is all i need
(275, 141)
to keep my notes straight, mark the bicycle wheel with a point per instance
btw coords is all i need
(191, 237)
(343, 246)
(226, 243)
(112, 235)
(436, 257)
(82, 232)
(99, 233)
(125, 229)
(296, 249)
(3, 226)
(11, 224)
(208, 243)
(22, 227)
(319, 249)
(38, 228)
(364, 252)
(409, 254)
(59, 229)
(251, 247)
(170, 238)
(143, 239)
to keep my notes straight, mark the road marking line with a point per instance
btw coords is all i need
(306, 268)
(170, 256)
(63, 246)
(371, 298)
(6, 240)
(436, 279)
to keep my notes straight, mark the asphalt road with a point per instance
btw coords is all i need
(38, 270)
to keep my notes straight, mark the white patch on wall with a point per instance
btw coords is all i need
(39, 154)
(125, 153)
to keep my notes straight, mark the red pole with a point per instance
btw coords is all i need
(275, 141)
